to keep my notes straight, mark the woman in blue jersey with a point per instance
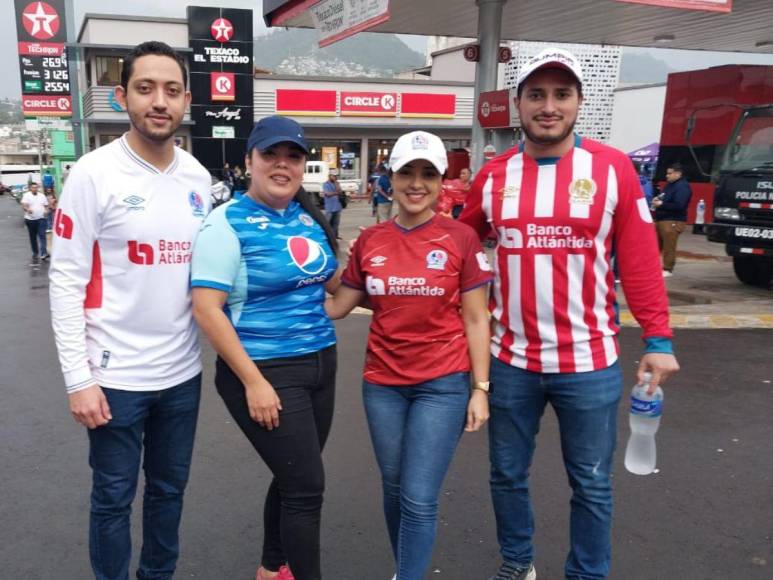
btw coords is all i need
(260, 269)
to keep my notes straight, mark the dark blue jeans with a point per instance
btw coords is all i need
(164, 423)
(586, 407)
(415, 431)
(37, 232)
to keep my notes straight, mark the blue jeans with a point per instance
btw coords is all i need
(415, 430)
(37, 232)
(586, 407)
(164, 423)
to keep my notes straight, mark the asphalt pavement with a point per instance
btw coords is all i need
(707, 513)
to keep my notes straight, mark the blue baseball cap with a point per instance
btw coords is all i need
(276, 129)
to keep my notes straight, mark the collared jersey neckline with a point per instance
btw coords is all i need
(144, 164)
(549, 160)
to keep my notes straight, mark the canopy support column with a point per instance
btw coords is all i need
(489, 35)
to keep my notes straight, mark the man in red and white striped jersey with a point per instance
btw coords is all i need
(561, 207)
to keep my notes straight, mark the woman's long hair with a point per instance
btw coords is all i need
(307, 203)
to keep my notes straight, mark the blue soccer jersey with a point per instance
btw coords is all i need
(274, 266)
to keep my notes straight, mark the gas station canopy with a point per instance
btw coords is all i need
(748, 28)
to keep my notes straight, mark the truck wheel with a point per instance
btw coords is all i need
(753, 270)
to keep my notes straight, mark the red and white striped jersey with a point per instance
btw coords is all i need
(558, 222)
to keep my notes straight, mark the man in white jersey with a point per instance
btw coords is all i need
(121, 313)
(562, 206)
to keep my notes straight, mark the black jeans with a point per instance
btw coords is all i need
(293, 452)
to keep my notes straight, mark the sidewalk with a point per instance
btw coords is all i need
(703, 293)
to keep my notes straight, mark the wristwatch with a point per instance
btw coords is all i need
(484, 386)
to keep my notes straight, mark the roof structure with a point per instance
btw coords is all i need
(748, 28)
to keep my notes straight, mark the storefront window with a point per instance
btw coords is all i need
(378, 153)
(341, 155)
(108, 69)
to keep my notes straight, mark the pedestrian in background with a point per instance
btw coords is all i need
(239, 183)
(261, 267)
(51, 198)
(560, 204)
(121, 314)
(416, 381)
(645, 182)
(382, 195)
(35, 206)
(671, 214)
(331, 190)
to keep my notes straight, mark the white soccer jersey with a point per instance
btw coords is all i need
(120, 269)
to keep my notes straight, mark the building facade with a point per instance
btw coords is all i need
(351, 123)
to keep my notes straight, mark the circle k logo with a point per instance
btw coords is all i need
(40, 20)
(388, 102)
(307, 254)
(222, 30)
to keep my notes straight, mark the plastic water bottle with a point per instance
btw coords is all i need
(700, 212)
(646, 409)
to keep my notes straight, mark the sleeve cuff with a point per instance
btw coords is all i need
(658, 344)
(78, 379)
(211, 284)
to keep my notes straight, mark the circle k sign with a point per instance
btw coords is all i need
(223, 86)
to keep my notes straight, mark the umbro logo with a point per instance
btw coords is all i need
(134, 202)
(377, 261)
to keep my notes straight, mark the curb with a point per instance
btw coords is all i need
(711, 321)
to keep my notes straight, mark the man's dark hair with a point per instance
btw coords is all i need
(676, 167)
(150, 47)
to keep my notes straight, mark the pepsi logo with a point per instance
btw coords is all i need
(307, 254)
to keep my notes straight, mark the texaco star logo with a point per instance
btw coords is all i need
(40, 20)
(222, 30)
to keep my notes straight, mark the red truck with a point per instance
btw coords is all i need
(718, 123)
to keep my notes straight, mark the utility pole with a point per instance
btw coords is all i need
(73, 53)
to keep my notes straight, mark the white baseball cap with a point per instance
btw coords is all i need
(419, 145)
(551, 57)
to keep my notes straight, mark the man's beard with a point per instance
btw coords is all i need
(549, 140)
(158, 136)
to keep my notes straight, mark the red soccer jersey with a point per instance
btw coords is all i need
(557, 224)
(414, 280)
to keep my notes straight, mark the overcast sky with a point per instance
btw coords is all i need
(9, 69)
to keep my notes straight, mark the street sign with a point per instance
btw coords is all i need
(339, 19)
(472, 53)
(497, 110)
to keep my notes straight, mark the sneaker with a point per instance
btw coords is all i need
(45, 257)
(667, 274)
(285, 574)
(35, 261)
(508, 571)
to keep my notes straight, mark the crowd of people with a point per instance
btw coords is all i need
(263, 278)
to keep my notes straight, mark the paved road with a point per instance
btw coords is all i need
(707, 514)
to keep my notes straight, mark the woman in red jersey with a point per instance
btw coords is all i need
(426, 278)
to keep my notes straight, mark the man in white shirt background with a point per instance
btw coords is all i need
(35, 206)
(121, 313)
